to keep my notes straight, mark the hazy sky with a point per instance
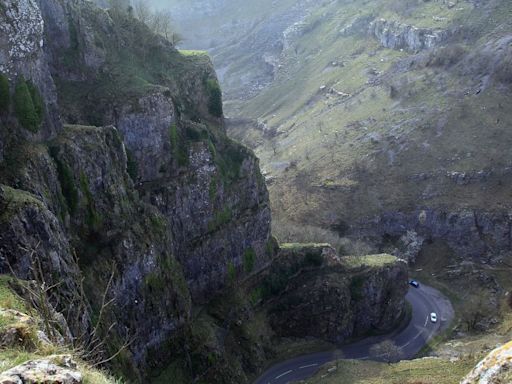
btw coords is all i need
(160, 3)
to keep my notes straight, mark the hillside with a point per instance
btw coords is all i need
(380, 127)
(134, 233)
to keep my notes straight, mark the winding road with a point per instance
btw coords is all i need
(410, 340)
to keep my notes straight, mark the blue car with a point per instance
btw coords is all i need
(414, 283)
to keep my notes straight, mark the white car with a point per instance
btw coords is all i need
(433, 317)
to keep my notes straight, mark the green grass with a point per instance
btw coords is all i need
(374, 261)
(5, 97)
(15, 200)
(28, 105)
(220, 218)
(188, 52)
(300, 246)
(11, 356)
(67, 181)
(424, 371)
(8, 299)
(339, 168)
(249, 259)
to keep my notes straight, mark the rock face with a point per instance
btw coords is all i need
(335, 298)
(473, 233)
(164, 202)
(395, 35)
(494, 369)
(142, 200)
(53, 370)
(22, 53)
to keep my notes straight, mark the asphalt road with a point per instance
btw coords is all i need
(410, 340)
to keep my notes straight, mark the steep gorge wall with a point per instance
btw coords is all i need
(141, 183)
(335, 298)
(165, 201)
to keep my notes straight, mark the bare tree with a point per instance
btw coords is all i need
(338, 356)
(387, 351)
(90, 345)
(475, 309)
(119, 6)
(142, 11)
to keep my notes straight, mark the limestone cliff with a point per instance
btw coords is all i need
(494, 369)
(165, 201)
(395, 35)
(118, 183)
(335, 298)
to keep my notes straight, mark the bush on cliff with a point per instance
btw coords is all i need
(28, 105)
(215, 98)
(249, 260)
(4, 93)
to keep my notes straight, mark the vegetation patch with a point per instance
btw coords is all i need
(131, 165)
(92, 219)
(188, 52)
(420, 371)
(214, 97)
(212, 190)
(249, 260)
(28, 105)
(8, 299)
(67, 181)
(231, 273)
(373, 261)
(14, 200)
(5, 97)
(356, 287)
(229, 160)
(220, 219)
(179, 146)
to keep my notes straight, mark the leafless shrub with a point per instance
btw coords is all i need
(387, 351)
(90, 345)
(446, 56)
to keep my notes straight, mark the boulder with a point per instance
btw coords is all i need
(53, 370)
(494, 369)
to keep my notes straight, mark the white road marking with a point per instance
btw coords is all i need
(410, 341)
(284, 374)
(308, 366)
(426, 321)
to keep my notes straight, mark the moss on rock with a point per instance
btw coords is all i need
(28, 105)
(5, 98)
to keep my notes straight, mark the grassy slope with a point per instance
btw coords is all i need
(32, 348)
(333, 157)
(352, 156)
(423, 371)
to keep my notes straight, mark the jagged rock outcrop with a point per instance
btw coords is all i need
(473, 233)
(395, 35)
(496, 368)
(22, 53)
(208, 188)
(334, 298)
(165, 203)
(53, 370)
(142, 197)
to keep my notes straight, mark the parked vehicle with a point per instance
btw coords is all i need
(414, 283)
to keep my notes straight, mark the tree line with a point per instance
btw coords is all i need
(160, 22)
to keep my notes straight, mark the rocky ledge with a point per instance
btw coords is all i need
(319, 294)
(52, 370)
(496, 368)
(395, 35)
